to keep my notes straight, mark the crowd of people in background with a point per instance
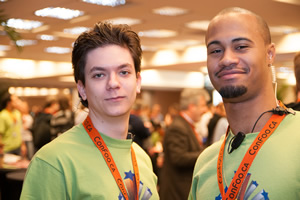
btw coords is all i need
(25, 130)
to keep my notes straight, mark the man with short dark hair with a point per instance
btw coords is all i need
(94, 160)
(259, 156)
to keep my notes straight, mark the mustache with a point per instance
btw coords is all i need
(231, 69)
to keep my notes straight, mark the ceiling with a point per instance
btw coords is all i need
(276, 13)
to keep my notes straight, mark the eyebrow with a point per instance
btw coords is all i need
(217, 42)
(99, 68)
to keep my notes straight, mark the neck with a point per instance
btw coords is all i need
(243, 115)
(114, 127)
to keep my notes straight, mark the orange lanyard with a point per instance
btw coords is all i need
(100, 144)
(243, 169)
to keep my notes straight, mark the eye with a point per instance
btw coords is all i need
(216, 51)
(124, 72)
(241, 47)
(98, 75)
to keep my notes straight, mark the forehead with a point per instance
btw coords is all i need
(234, 25)
(109, 56)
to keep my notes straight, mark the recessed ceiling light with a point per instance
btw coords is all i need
(23, 24)
(112, 3)
(201, 24)
(59, 13)
(47, 37)
(76, 30)
(58, 50)
(124, 20)
(4, 47)
(148, 48)
(296, 2)
(170, 11)
(26, 42)
(157, 33)
(283, 29)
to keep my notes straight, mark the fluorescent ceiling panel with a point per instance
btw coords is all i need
(296, 2)
(47, 37)
(26, 42)
(58, 50)
(170, 11)
(23, 24)
(4, 47)
(76, 30)
(283, 29)
(156, 33)
(201, 24)
(59, 13)
(124, 20)
(112, 3)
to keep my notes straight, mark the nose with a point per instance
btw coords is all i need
(113, 81)
(229, 58)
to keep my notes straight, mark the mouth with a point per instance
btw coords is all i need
(115, 99)
(229, 74)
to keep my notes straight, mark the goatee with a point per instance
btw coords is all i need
(232, 91)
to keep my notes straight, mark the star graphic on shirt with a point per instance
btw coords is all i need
(120, 197)
(149, 191)
(265, 195)
(129, 175)
(255, 183)
(219, 197)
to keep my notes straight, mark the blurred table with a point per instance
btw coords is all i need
(12, 173)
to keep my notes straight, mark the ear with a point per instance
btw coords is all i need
(138, 82)
(271, 54)
(81, 90)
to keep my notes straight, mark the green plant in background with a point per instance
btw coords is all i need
(9, 31)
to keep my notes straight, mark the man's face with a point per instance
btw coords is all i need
(237, 56)
(111, 82)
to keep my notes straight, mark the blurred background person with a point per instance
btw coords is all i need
(217, 125)
(27, 121)
(296, 105)
(63, 119)
(136, 126)
(41, 128)
(182, 146)
(173, 111)
(11, 125)
(202, 124)
(156, 116)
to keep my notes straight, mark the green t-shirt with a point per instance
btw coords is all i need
(10, 129)
(274, 173)
(72, 167)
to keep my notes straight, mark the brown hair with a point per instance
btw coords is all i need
(103, 34)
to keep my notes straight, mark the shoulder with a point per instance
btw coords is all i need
(291, 120)
(209, 156)
(64, 145)
(178, 122)
(141, 155)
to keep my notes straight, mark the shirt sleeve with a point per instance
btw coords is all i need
(43, 181)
